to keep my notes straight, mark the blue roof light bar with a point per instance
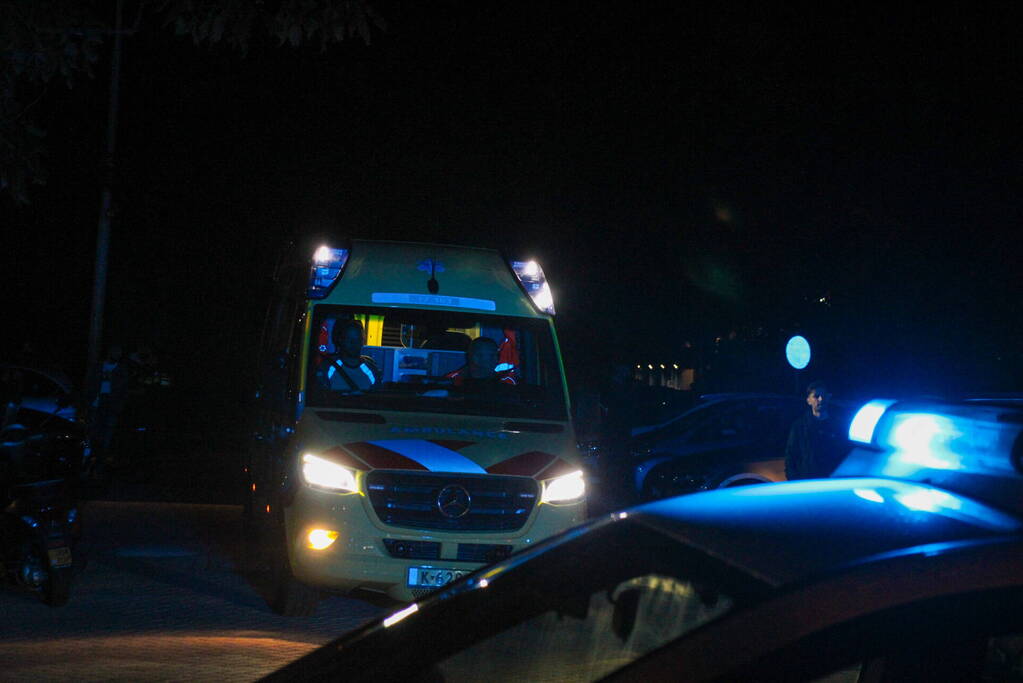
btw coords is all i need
(862, 427)
(328, 262)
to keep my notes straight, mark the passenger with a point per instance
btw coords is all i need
(349, 371)
(815, 447)
(481, 362)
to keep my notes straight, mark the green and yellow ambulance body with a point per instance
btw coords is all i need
(425, 472)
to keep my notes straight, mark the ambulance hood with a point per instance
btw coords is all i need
(442, 443)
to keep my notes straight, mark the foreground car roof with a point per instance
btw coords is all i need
(787, 532)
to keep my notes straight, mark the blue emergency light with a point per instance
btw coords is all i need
(974, 450)
(328, 262)
(531, 276)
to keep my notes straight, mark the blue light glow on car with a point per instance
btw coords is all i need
(929, 500)
(869, 494)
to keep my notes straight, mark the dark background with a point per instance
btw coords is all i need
(678, 171)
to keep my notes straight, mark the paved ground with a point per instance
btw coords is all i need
(167, 593)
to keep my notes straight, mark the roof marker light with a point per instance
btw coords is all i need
(862, 426)
(326, 268)
(322, 254)
(533, 280)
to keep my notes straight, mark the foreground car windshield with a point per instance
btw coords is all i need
(418, 360)
(547, 614)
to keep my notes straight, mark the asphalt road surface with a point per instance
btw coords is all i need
(166, 593)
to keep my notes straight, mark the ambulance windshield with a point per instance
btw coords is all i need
(433, 361)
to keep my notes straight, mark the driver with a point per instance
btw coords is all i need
(349, 371)
(481, 362)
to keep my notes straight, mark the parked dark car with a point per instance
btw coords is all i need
(904, 566)
(726, 440)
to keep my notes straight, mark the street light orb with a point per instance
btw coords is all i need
(797, 352)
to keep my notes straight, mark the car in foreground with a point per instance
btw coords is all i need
(904, 566)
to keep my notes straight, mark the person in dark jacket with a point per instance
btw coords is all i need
(620, 406)
(816, 445)
(107, 405)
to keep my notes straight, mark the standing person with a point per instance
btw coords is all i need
(815, 446)
(619, 403)
(107, 405)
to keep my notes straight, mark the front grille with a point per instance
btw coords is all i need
(410, 499)
(483, 552)
(413, 550)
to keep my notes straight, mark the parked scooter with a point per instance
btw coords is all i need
(39, 519)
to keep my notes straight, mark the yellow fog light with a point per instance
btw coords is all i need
(321, 539)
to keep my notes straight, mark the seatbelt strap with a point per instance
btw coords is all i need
(344, 374)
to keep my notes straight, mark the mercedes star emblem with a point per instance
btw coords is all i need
(453, 501)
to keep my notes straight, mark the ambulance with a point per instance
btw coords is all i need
(443, 444)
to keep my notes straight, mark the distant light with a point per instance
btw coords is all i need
(797, 352)
(401, 614)
(662, 366)
(869, 494)
(650, 366)
(639, 367)
(862, 426)
(822, 299)
(675, 365)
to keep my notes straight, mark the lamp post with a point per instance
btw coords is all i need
(99, 281)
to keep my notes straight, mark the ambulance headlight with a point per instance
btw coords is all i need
(327, 264)
(328, 475)
(565, 489)
(531, 276)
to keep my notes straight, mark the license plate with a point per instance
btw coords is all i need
(432, 577)
(60, 557)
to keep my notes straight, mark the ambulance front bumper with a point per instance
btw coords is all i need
(367, 554)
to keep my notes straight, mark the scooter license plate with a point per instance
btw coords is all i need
(60, 557)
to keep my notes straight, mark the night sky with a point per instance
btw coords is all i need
(678, 171)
